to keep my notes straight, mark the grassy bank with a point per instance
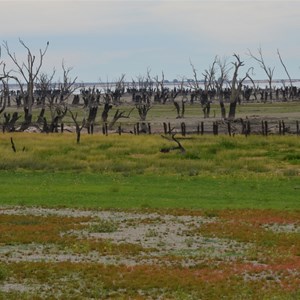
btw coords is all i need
(131, 172)
(255, 156)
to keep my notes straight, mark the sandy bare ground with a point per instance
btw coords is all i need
(163, 234)
(165, 241)
(160, 235)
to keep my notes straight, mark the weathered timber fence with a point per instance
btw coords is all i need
(215, 127)
(231, 128)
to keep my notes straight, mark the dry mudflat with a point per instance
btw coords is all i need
(143, 254)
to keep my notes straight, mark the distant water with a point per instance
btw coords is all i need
(277, 83)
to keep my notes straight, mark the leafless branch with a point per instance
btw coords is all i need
(196, 82)
(179, 145)
(209, 75)
(285, 68)
(268, 70)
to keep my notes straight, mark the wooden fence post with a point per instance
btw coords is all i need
(266, 128)
(215, 128)
(248, 128)
(280, 129)
(169, 126)
(165, 128)
(183, 129)
(92, 128)
(149, 128)
(229, 128)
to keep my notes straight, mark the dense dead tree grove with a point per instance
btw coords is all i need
(47, 103)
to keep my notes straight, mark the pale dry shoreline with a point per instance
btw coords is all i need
(169, 242)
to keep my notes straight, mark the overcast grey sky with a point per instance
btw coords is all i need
(103, 39)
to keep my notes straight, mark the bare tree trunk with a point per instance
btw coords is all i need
(236, 87)
(78, 127)
(232, 109)
(223, 109)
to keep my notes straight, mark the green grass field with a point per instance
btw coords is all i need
(131, 172)
(147, 191)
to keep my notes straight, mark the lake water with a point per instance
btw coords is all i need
(278, 83)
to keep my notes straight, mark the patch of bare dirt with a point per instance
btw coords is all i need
(160, 235)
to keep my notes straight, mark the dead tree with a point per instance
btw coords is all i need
(180, 109)
(254, 89)
(57, 116)
(162, 93)
(143, 98)
(106, 109)
(45, 93)
(68, 86)
(118, 115)
(119, 90)
(209, 81)
(3, 102)
(209, 88)
(178, 147)
(194, 85)
(28, 71)
(3, 106)
(55, 97)
(236, 86)
(91, 98)
(9, 124)
(203, 94)
(78, 126)
(143, 109)
(4, 94)
(144, 82)
(142, 90)
(44, 87)
(268, 70)
(5, 91)
(223, 77)
(287, 73)
(285, 68)
(148, 85)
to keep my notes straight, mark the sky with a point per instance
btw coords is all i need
(101, 40)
